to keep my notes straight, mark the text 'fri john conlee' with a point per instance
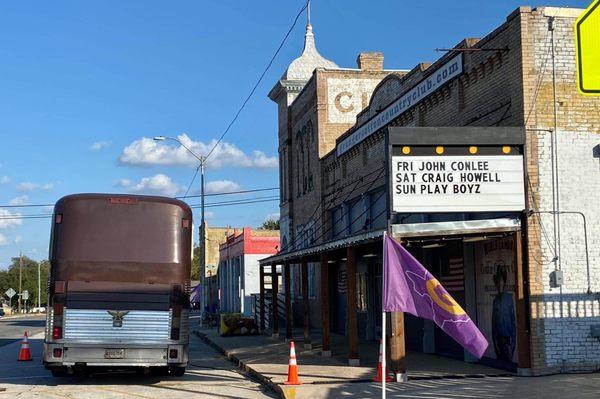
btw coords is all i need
(438, 177)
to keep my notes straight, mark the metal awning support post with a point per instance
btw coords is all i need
(274, 306)
(261, 269)
(305, 303)
(288, 300)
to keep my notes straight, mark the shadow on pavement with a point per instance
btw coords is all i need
(24, 323)
(201, 375)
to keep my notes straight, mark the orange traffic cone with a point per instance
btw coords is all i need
(293, 368)
(24, 353)
(380, 371)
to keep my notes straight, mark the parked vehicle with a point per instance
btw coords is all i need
(38, 310)
(1, 312)
(119, 284)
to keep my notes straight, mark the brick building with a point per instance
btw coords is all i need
(238, 275)
(208, 285)
(336, 128)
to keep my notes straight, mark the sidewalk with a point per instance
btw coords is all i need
(267, 359)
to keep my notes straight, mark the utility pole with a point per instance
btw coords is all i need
(39, 287)
(20, 281)
(202, 265)
(202, 234)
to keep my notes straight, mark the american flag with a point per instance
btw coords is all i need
(453, 279)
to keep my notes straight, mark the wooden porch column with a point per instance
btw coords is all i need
(351, 309)
(325, 305)
(274, 307)
(397, 348)
(305, 303)
(288, 301)
(523, 348)
(261, 281)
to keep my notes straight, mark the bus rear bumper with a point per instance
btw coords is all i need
(114, 355)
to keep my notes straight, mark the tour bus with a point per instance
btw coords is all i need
(118, 291)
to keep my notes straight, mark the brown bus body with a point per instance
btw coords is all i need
(119, 283)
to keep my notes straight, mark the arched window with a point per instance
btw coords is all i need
(298, 163)
(309, 140)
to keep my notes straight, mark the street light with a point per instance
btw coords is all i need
(202, 160)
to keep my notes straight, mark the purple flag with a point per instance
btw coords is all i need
(409, 287)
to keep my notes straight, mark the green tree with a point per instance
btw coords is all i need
(195, 263)
(270, 224)
(10, 279)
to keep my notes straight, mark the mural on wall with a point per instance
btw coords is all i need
(496, 318)
(347, 97)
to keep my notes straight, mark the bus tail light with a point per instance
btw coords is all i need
(57, 352)
(175, 333)
(57, 332)
(173, 353)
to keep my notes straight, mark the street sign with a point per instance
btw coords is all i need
(587, 49)
(25, 295)
(10, 293)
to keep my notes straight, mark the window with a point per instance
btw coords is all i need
(357, 215)
(337, 221)
(378, 207)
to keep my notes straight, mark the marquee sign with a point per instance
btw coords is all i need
(437, 79)
(472, 183)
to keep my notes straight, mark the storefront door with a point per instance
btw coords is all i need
(448, 267)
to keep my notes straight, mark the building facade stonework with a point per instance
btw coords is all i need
(522, 74)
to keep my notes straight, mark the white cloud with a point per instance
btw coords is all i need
(3, 240)
(148, 152)
(9, 219)
(20, 200)
(208, 215)
(221, 186)
(4, 179)
(18, 239)
(158, 184)
(98, 145)
(28, 186)
(263, 161)
(272, 216)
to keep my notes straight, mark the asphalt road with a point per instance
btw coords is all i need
(12, 328)
(209, 375)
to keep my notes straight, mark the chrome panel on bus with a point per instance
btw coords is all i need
(92, 325)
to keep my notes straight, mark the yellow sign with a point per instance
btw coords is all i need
(587, 48)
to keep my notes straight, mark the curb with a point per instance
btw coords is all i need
(235, 360)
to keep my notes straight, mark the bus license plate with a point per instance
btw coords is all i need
(114, 353)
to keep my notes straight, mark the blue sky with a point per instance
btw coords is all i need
(74, 74)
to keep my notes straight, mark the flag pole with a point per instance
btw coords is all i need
(383, 329)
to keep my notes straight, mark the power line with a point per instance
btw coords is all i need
(19, 217)
(241, 203)
(269, 197)
(349, 209)
(336, 193)
(180, 197)
(25, 206)
(192, 181)
(230, 192)
(237, 114)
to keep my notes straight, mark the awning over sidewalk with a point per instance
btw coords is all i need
(454, 228)
(328, 246)
(432, 229)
